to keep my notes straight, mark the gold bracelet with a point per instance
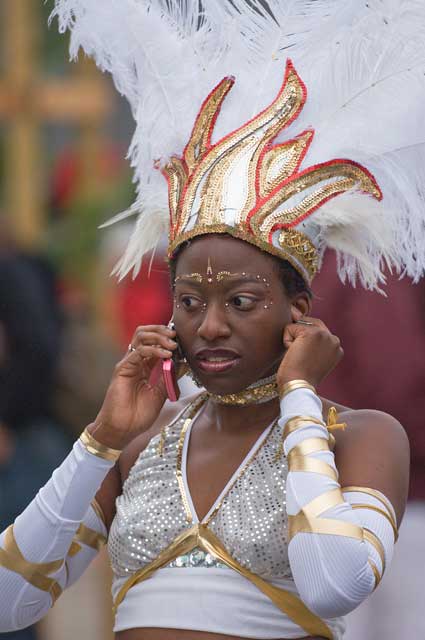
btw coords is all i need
(292, 385)
(298, 421)
(97, 449)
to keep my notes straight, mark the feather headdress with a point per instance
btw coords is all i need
(340, 162)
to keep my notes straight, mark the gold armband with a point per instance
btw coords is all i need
(381, 498)
(292, 385)
(88, 537)
(97, 449)
(375, 572)
(35, 573)
(308, 520)
(98, 511)
(373, 539)
(299, 421)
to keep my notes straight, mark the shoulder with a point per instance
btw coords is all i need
(372, 426)
(373, 451)
(168, 413)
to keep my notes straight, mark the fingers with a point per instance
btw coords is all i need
(157, 336)
(307, 326)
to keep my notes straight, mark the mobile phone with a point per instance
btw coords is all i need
(167, 368)
(170, 379)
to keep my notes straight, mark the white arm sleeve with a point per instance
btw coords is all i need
(333, 573)
(43, 533)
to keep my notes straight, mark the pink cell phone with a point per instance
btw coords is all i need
(166, 369)
(170, 379)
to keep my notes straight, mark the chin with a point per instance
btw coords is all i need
(223, 382)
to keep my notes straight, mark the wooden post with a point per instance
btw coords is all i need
(23, 173)
(27, 101)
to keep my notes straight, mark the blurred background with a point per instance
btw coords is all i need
(64, 322)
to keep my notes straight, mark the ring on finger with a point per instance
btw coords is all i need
(131, 348)
(308, 324)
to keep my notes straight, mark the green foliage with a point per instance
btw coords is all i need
(54, 46)
(73, 240)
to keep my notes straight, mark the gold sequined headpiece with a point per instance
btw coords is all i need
(273, 180)
(252, 189)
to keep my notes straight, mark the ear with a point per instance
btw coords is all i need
(302, 302)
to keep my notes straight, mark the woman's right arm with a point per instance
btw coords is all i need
(53, 540)
(55, 537)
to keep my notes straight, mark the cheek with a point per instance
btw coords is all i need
(272, 329)
(184, 326)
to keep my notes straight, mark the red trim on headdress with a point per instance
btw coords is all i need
(231, 81)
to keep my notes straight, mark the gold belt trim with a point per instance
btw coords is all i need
(202, 537)
(35, 573)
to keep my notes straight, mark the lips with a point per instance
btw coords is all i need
(217, 360)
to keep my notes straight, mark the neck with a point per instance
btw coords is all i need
(236, 419)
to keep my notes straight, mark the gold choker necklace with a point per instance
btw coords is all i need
(261, 391)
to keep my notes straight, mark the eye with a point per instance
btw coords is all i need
(191, 303)
(244, 303)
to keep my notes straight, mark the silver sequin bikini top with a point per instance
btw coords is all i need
(249, 517)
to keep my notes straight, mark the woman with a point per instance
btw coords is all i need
(251, 510)
(234, 331)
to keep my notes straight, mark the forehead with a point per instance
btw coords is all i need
(224, 253)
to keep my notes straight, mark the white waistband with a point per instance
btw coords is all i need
(208, 599)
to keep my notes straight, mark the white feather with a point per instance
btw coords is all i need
(364, 66)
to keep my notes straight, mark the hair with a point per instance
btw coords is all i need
(292, 280)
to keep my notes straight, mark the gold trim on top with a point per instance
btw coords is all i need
(241, 472)
(192, 410)
(199, 536)
(35, 573)
(179, 464)
(179, 473)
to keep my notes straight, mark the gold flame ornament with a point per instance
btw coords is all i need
(248, 187)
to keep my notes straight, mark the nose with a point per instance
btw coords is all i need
(215, 323)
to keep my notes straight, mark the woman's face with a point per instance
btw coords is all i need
(230, 309)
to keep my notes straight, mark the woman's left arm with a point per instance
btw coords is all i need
(344, 506)
(344, 509)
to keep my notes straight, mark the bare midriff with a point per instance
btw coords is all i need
(183, 634)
